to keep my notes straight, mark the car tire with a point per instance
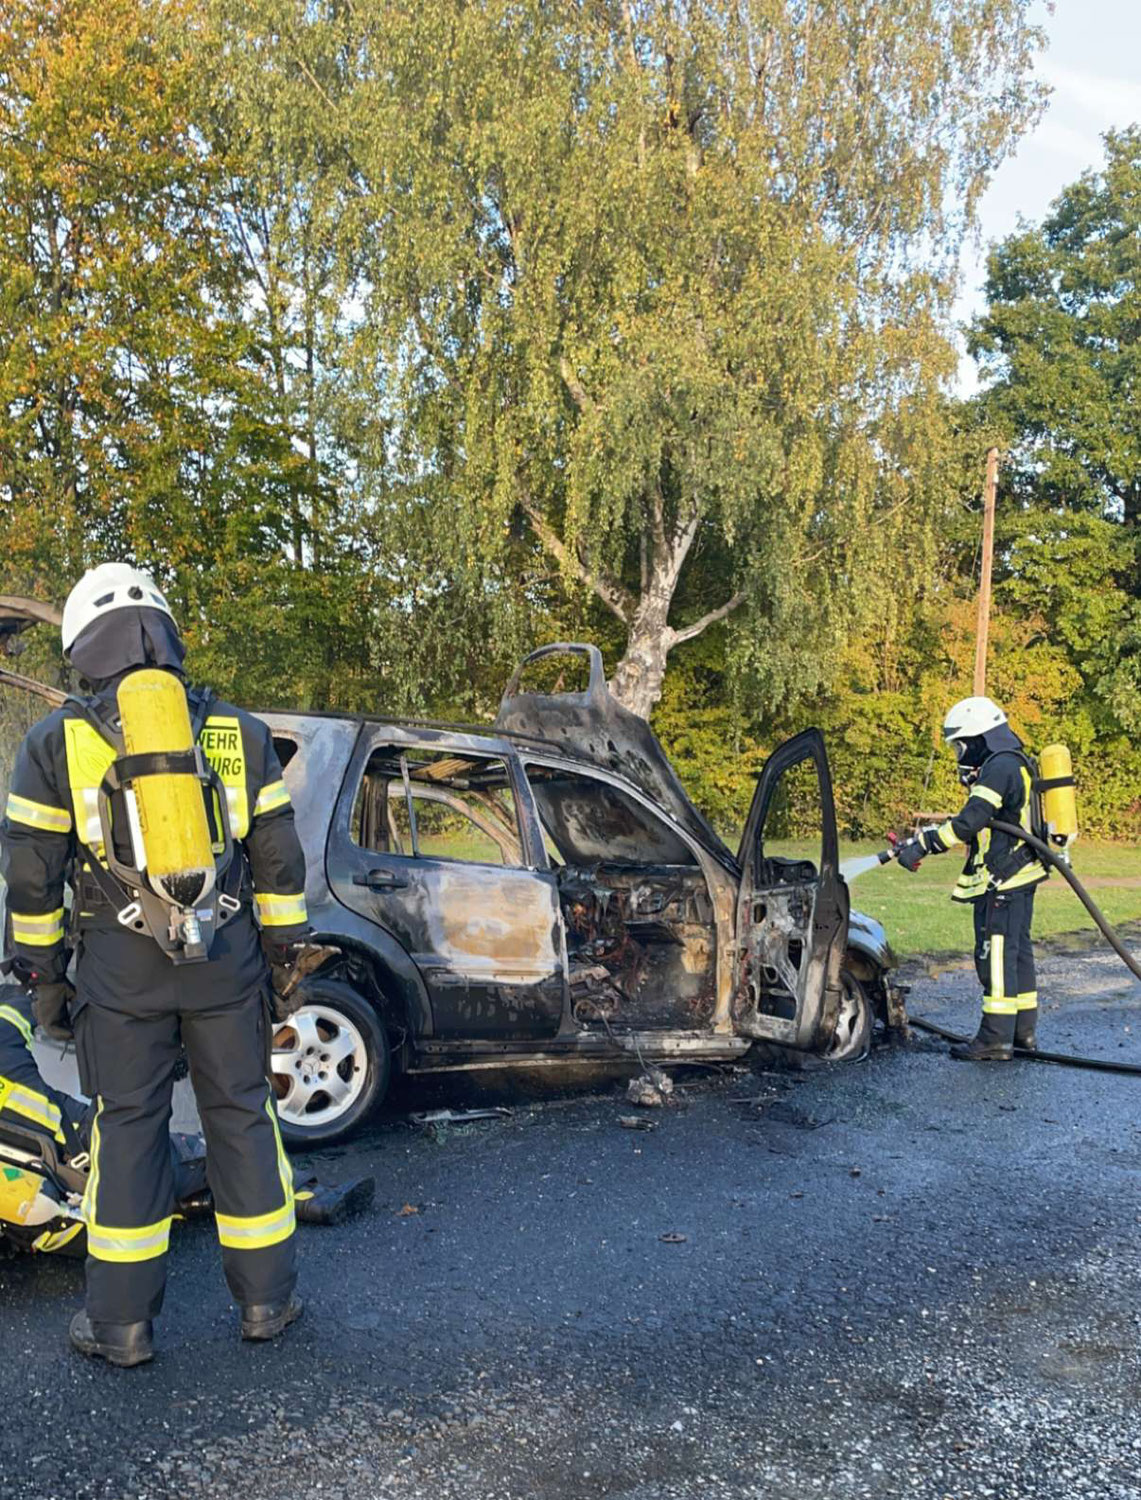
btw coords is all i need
(331, 1064)
(852, 1038)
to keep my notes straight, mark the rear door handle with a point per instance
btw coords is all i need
(380, 880)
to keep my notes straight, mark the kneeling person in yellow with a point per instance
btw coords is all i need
(999, 877)
(138, 997)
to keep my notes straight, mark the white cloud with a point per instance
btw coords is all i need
(1113, 102)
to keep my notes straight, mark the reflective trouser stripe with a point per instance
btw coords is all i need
(997, 1003)
(40, 815)
(87, 1207)
(280, 911)
(32, 1106)
(1029, 1001)
(258, 1231)
(146, 1242)
(109, 1241)
(999, 1006)
(14, 1018)
(37, 929)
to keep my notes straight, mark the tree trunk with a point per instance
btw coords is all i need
(638, 678)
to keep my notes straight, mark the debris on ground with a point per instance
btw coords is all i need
(651, 1089)
(673, 1238)
(458, 1116)
(637, 1122)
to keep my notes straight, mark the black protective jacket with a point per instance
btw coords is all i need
(1001, 792)
(46, 833)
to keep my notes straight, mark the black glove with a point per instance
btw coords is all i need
(50, 1006)
(289, 964)
(282, 959)
(911, 853)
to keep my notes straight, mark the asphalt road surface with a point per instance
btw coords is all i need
(906, 1277)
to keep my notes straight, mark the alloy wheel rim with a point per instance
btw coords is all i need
(319, 1066)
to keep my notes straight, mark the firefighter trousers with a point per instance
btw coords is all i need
(1004, 953)
(128, 1042)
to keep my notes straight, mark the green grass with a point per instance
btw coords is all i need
(920, 917)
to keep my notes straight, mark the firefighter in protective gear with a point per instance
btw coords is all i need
(134, 1009)
(1000, 875)
(30, 1107)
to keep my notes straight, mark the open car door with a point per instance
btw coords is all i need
(792, 909)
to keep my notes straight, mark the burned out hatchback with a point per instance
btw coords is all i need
(541, 891)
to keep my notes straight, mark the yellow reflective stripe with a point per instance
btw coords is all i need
(1028, 875)
(257, 1232)
(147, 1242)
(998, 1005)
(284, 1170)
(36, 930)
(41, 815)
(280, 911)
(91, 1191)
(947, 835)
(33, 1106)
(56, 1239)
(270, 798)
(997, 958)
(987, 795)
(14, 1018)
(1029, 1001)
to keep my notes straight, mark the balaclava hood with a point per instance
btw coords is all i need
(123, 640)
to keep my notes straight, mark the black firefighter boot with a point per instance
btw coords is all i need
(315, 1204)
(122, 1344)
(1026, 1029)
(993, 1042)
(268, 1319)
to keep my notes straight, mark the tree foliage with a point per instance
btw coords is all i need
(654, 280)
(400, 340)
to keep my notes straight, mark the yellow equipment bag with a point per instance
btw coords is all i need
(171, 808)
(1059, 797)
(18, 1193)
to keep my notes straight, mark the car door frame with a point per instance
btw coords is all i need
(346, 859)
(768, 915)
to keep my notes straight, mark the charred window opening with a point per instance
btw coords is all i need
(588, 820)
(424, 804)
(284, 748)
(637, 911)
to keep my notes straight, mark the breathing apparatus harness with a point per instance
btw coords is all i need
(180, 918)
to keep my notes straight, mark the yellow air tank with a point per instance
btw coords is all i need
(1059, 802)
(171, 806)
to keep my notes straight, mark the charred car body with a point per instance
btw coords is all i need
(542, 891)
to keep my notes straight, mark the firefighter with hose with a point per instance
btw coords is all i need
(1001, 873)
(165, 811)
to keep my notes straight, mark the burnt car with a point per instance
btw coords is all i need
(542, 892)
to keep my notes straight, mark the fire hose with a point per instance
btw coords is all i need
(1053, 861)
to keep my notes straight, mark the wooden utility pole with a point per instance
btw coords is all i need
(983, 630)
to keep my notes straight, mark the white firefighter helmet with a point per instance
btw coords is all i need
(970, 717)
(105, 588)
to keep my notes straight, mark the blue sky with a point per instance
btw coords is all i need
(1093, 65)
